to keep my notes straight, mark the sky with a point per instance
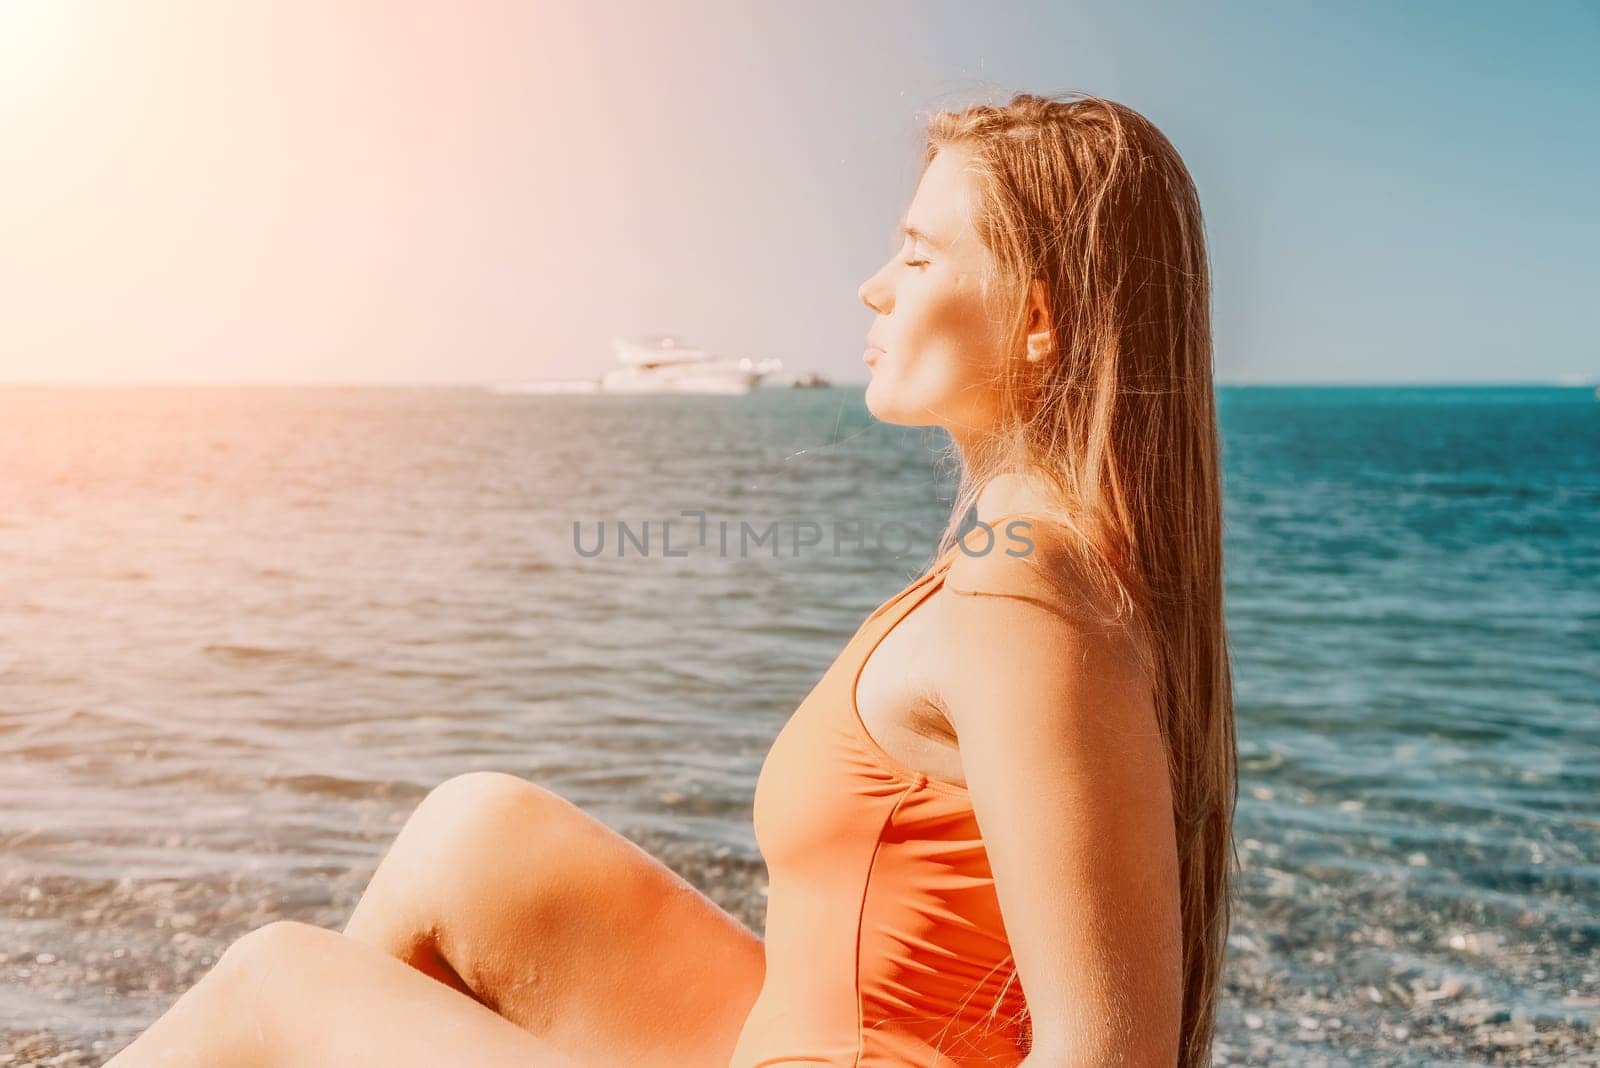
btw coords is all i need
(289, 191)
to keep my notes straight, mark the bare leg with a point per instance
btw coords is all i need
(297, 996)
(507, 891)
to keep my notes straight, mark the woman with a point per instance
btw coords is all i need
(1065, 689)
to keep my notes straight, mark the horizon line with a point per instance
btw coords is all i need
(1563, 382)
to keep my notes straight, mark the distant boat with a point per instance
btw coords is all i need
(805, 380)
(661, 363)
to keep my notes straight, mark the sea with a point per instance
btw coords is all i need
(244, 630)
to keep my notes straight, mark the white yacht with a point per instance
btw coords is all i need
(662, 363)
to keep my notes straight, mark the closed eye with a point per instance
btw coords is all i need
(915, 263)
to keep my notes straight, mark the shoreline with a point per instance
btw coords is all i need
(1357, 1001)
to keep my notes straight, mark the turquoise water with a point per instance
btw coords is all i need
(1414, 606)
(243, 630)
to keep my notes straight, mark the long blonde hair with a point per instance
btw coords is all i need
(1086, 196)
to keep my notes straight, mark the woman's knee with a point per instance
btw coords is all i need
(256, 979)
(467, 839)
(467, 814)
(273, 947)
(481, 853)
(234, 1014)
(446, 858)
(473, 793)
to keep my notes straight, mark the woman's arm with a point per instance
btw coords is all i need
(1069, 783)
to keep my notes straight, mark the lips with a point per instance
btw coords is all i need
(870, 357)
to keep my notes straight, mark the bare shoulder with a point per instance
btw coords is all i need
(1034, 561)
(1041, 614)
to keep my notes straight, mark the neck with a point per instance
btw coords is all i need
(1013, 491)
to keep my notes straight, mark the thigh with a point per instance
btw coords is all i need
(294, 995)
(566, 927)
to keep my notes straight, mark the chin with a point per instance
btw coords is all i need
(889, 404)
(880, 399)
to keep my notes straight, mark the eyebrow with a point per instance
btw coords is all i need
(916, 235)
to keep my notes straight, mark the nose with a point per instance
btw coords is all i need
(876, 295)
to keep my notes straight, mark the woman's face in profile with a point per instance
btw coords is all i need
(939, 343)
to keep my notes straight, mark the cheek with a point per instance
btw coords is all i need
(943, 363)
(952, 339)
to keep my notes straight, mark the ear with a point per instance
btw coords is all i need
(1041, 338)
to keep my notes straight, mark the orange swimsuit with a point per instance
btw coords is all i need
(884, 939)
